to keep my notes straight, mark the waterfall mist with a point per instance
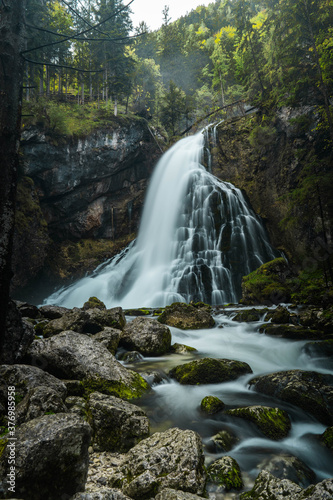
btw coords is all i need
(198, 236)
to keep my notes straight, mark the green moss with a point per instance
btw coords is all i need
(143, 311)
(327, 438)
(211, 405)
(138, 387)
(274, 423)
(94, 303)
(209, 371)
(225, 472)
(3, 445)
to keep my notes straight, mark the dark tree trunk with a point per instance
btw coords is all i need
(11, 79)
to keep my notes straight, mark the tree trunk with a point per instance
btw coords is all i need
(11, 80)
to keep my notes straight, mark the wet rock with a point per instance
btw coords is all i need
(225, 473)
(279, 316)
(109, 337)
(289, 467)
(71, 355)
(327, 438)
(211, 405)
(320, 491)
(273, 422)
(131, 357)
(101, 494)
(170, 459)
(222, 441)
(311, 391)
(147, 336)
(248, 315)
(209, 371)
(154, 377)
(37, 402)
(295, 332)
(53, 312)
(186, 316)
(268, 487)
(317, 318)
(170, 494)
(51, 457)
(27, 310)
(143, 311)
(319, 349)
(17, 337)
(181, 349)
(93, 303)
(117, 425)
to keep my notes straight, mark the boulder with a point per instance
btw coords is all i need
(117, 425)
(182, 349)
(311, 391)
(248, 315)
(71, 355)
(37, 402)
(51, 455)
(94, 303)
(280, 315)
(209, 371)
(100, 318)
(274, 423)
(147, 336)
(211, 405)
(53, 312)
(186, 316)
(295, 332)
(27, 310)
(322, 350)
(289, 467)
(222, 441)
(171, 459)
(109, 337)
(101, 494)
(319, 491)
(225, 473)
(268, 487)
(17, 337)
(77, 405)
(327, 438)
(317, 318)
(170, 494)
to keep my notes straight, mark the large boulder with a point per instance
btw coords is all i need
(295, 332)
(51, 458)
(117, 425)
(319, 491)
(274, 423)
(268, 487)
(171, 459)
(209, 371)
(147, 336)
(311, 391)
(170, 494)
(289, 467)
(103, 493)
(39, 401)
(71, 355)
(225, 474)
(187, 316)
(109, 337)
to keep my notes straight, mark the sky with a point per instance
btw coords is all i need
(150, 11)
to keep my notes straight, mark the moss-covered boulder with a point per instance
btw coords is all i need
(117, 425)
(93, 303)
(222, 441)
(269, 487)
(209, 371)
(274, 423)
(225, 473)
(309, 390)
(211, 405)
(327, 438)
(267, 284)
(280, 315)
(187, 316)
(182, 349)
(147, 336)
(289, 467)
(142, 311)
(317, 318)
(248, 315)
(320, 349)
(295, 332)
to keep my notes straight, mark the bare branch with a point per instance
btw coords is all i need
(62, 66)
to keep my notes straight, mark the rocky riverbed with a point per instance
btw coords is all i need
(152, 403)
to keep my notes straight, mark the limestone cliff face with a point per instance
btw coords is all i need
(88, 193)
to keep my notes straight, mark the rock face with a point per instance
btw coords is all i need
(147, 336)
(17, 337)
(209, 371)
(170, 459)
(273, 422)
(72, 355)
(311, 391)
(186, 316)
(51, 457)
(117, 425)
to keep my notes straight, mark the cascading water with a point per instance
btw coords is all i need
(198, 237)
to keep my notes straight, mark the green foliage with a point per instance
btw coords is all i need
(261, 136)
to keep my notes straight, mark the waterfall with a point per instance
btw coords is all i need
(198, 236)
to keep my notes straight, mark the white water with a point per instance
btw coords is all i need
(197, 238)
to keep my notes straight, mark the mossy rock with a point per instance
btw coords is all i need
(211, 405)
(327, 438)
(248, 315)
(209, 371)
(94, 303)
(225, 472)
(274, 423)
(295, 332)
(279, 316)
(143, 311)
(137, 388)
(222, 441)
(182, 349)
(267, 284)
(186, 316)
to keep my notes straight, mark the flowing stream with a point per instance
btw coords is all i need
(198, 236)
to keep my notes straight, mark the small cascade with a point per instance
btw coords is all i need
(198, 237)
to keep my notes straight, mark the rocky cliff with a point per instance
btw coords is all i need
(89, 189)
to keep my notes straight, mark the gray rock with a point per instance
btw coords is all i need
(117, 425)
(53, 312)
(71, 355)
(170, 459)
(222, 441)
(18, 336)
(209, 371)
(38, 402)
(147, 336)
(320, 491)
(170, 494)
(289, 467)
(226, 474)
(101, 494)
(75, 320)
(268, 487)
(77, 405)
(187, 316)
(311, 391)
(109, 337)
(101, 318)
(51, 457)
(27, 310)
